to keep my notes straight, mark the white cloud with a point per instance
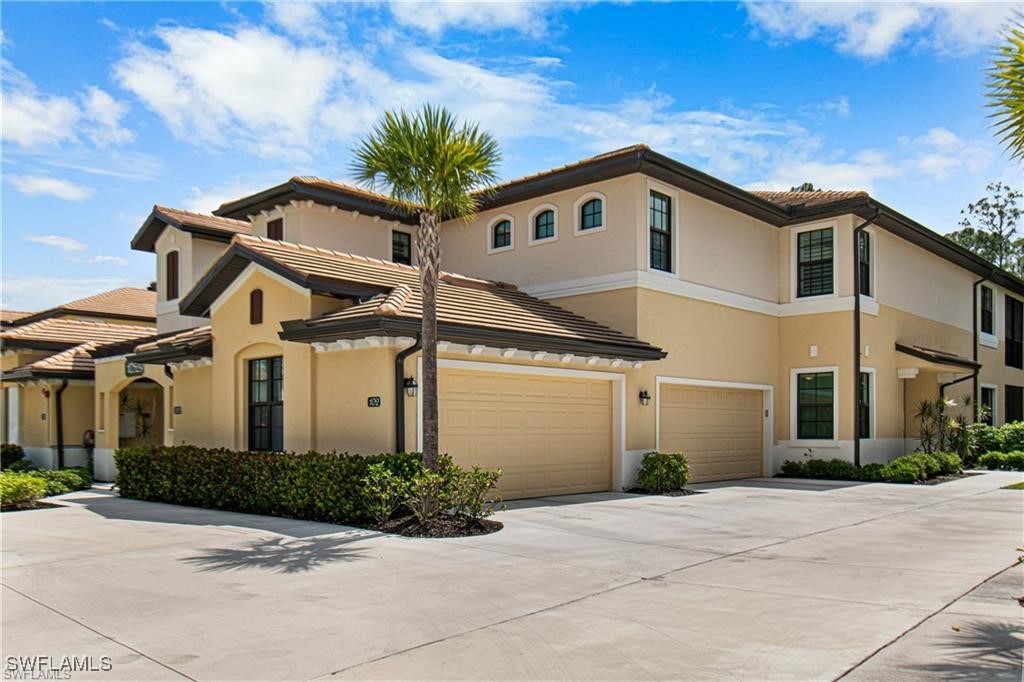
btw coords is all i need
(65, 244)
(301, 19)
(250, 89)
(106, 113)
(206, 200)
(864, 171)
(38, 185)
(529, 18)
(41, 292)
(873, 30)
(109, 260)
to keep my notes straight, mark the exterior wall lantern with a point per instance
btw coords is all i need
(410, 386)
(645, 397)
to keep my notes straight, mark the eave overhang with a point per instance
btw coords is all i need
(294, 190)
(940, 358)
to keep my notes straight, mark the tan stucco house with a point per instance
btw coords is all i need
(589, 314)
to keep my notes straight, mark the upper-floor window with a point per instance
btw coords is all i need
(814, 262)
(401, 247)
(256, 306)
(1014, 411)
(864, 263)
(660, 210)
(544, 225)
(1014, 323)
(275, 229)
(592, 214)
(171, 276)
(501, 234)
(987, 321)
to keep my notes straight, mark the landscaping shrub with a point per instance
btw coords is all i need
(986, 438)
(427, 496)
(662, 472)
(468, 493)
(9, 454)
(61, 481)
(383, 492)
(1006, 461)
(314, 486)
(1012, 437)
(19, 490)
(912, 468)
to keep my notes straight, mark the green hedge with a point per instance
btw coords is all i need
(1006, 461)
(313, 486)
(911, 468)
(662, 472)
(19, 490)
(9, 454)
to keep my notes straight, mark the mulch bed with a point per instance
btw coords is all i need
(946, 479)
(34, 505)
(443, 526)
(670, 493)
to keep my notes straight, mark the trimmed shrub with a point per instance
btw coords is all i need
(9, 454)
(61, 481)
(19, 490)
(1006, 461)
(427, 496)
(383, 492)
(912, 468)
(794, 469)
(836, 469)
(902, 470)
(468, 493)
(312, 485)
(1012, 437)
(662, 472)
(986, 438)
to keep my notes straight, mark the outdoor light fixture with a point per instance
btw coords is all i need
(645, 397)
(410, 387)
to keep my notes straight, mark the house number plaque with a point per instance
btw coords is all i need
(373, 401)
(134, 369)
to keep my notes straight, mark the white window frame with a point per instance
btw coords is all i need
(673, 194)
(874, 260)
(578, 205)
(996, 421)
(794, 260)
(13, 399)
(412, 245)
(873, 409)
(532, 240)
(490, 234)
(794, 374)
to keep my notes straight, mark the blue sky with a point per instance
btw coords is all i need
(109, 108)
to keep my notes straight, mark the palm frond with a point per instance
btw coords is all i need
(1006, 89)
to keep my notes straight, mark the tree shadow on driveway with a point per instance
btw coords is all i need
(279, 555)
(980, 650)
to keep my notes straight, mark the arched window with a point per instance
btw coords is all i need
(171, 276)
(501, 234)
(592, 214)
(256, 306)
(544, 225)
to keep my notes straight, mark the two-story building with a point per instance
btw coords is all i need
(589, 314)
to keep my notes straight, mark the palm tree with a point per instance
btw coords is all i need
(1006, 89)
(430, 165)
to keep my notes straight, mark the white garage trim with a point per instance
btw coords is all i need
(767, 405)
(618, 382)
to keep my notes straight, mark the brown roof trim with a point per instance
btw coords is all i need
(61, 310)
(198, 224)
(938, 357)
(35, 344)
(237, 257)
(27, 374)
(321, 192)
(308, 331)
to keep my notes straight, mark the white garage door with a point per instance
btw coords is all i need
(548, 435)
(718, 429)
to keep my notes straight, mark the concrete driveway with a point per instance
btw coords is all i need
(759, 580)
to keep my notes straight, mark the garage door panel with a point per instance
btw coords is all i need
(549, 435)
(719, 430)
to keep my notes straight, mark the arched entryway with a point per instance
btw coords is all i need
(139, 419)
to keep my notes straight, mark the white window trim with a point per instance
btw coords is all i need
(584, 198)
(490, 234)
(672, 194)
(793, 421)
(412, 245)
(873, 402)
(532, 241)
(874, 260)
(996, 421)
(767, 407)
(794, 260)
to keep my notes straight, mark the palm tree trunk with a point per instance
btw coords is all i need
(428, 245)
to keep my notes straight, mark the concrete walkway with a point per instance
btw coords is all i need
(767, 579)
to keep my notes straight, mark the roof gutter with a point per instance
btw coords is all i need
(58, 399)
(975, 340)
(857, 408)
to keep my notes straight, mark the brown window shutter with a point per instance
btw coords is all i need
(275, 229)
(256, 306)
(172, 276)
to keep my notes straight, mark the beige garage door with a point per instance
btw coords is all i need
(549, 435)
(718, 429)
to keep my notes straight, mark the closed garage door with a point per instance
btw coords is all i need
(548, 435)
(718, 429)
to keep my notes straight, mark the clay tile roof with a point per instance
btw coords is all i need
(462, 301)
(128, 303)
(210, 226)
(75, 360)
(314, 181)
(189, 338)
(569, 166)
(810, 199)
(8, 317)
(64, 332)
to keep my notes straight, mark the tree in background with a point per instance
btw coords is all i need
(989, 228)
(805, 187)
(1006, 89)
(431, 166)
